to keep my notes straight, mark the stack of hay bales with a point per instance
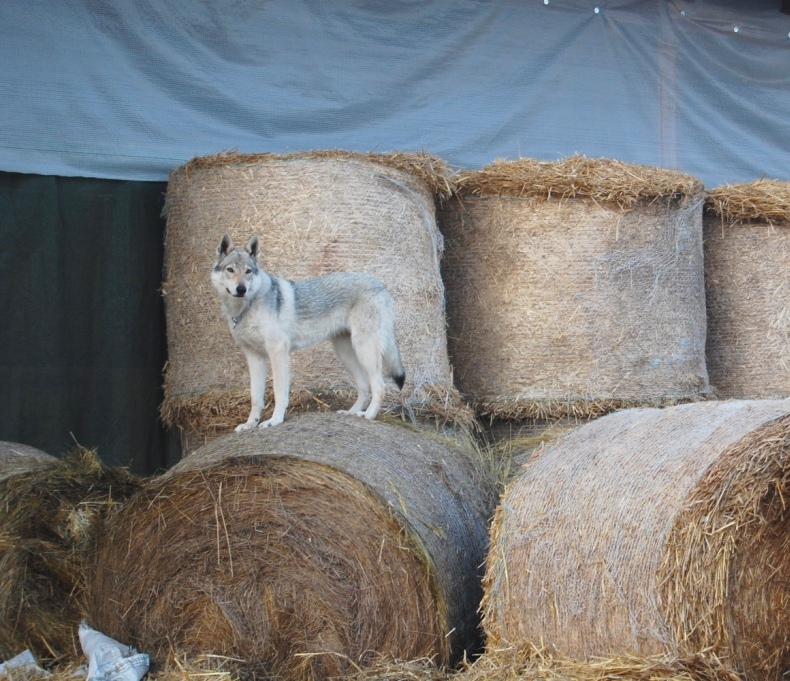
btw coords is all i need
(747, 279)
(50, 513)
(316, 213)
(302, 551)
(575, 287)
(652, 532)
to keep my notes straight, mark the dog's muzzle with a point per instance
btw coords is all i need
(241, 290)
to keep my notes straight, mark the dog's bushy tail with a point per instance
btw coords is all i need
(392, 363)
(399, 379)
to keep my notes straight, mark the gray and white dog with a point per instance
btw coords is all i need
(270, 317)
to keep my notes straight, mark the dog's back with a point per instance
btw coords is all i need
(346, 303)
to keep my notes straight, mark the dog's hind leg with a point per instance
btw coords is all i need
(348, 357)
(257, 365)
(368, 352)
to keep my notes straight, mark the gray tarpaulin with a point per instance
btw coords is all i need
(129, 90)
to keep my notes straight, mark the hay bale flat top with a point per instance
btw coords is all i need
(432, 170)
(578, 177)
(760, 201)
(651, 532)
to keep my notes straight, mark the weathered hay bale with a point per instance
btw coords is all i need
(575, 288)
(316, 213)
(651, 532)
(302, 551)
(747, 261)
(17, 458)
(49, 517)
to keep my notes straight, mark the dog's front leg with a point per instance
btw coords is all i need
(257, 365)
(280, 356)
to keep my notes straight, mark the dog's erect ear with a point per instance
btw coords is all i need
(253, 248)
(225, 247)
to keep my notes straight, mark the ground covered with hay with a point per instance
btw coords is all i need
(528, 663)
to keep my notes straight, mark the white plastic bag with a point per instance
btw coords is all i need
(109, 660)
(24, 661)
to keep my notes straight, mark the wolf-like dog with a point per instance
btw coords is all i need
(271, 317)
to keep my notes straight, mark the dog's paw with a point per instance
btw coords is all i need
(352, 412)
(268, 423)
(246, 426)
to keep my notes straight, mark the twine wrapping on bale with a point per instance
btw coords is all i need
(747, 261)
(49, 517)
(651, 532)
(302, 551)
(316, 213)
(575, 288)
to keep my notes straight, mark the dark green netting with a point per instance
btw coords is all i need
(82, 336)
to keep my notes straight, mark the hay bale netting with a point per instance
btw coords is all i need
(652, 532)
(747, 280)
(316, 213)
(575, 287)
(302, 550)
(50, 513)
(17, 458)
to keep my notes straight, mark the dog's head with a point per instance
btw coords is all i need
(236, 271)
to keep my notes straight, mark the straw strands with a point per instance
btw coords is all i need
(49, 517)
(747, 260)
(528, 663)
(760, 201)
(302, 551)
(432, 170)
(532, 663)
(651, 532)
(566, 298)
(316, 213)
(577, 177)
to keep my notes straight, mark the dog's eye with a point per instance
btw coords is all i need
(229, 270)
(248, 271)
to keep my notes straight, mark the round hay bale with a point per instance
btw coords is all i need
(17, 458)
(49, 517)
(652, 532)
(575, 288)
(302, 551)
(747, 282)
(316, 213)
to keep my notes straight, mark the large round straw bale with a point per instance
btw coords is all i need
(575, 287)
(50, 513)
(17, 458)
(302, 550)
(652, 532)
(747, 281)
(316, 213)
